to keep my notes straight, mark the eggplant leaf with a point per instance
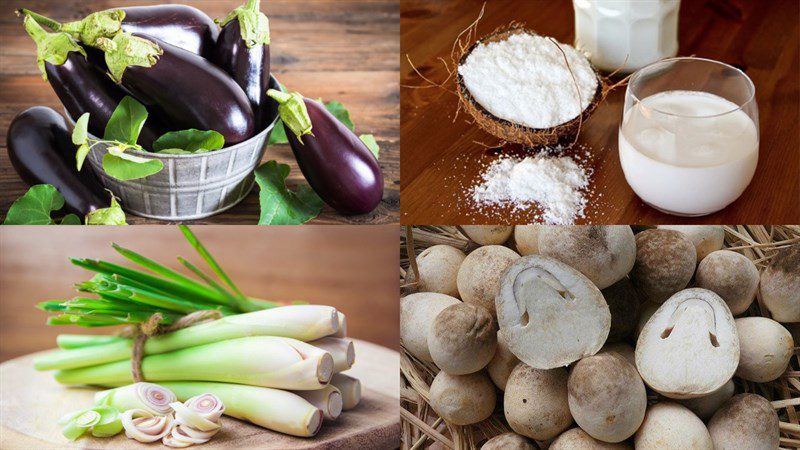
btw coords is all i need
(123, 168)
(338, 110)
(371, 143)
(126, 121)
(279, 204)
(80, 134)
(70, 219)
(190, 141)
(113, 215)
(278, 135)
(35, 207)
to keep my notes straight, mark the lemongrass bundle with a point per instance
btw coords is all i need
(257, 361)
(301, 322)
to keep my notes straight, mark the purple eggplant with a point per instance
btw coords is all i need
(40, 149)
(180, 25)
(184, 88)
(242, 50)
(336, 163)
(80, 86)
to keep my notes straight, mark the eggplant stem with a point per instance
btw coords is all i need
(46, 21)
(36, 32)
(253, 5)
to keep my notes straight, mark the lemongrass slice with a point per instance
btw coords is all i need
(146, 427)
(147, 396)
(327, 399)
(185, 415)
(183, 436)
(78, 423)
(110, 423)
(208, 405)
(350, 388)
(342, 351)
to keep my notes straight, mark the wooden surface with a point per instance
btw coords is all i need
(318, 264)
(442, 154)
(336, 50)
(31, 403)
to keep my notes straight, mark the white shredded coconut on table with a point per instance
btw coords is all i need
(557, 185)
(525, 80)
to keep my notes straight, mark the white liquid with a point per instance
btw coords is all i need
(626, 34)
(693, 165)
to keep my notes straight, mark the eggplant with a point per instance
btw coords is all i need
(79, 85)
(242, 50)
(180, 25)
(40, 149)
(336, 163)
(184, 88)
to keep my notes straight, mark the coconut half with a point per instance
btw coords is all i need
(689, 347)
(549, 314)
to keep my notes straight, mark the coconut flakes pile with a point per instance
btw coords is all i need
(525, 80)
(558, 186)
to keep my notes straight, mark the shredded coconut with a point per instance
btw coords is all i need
(524, 80)
(556, 185)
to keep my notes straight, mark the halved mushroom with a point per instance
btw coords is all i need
(550, 315)
(689, 347)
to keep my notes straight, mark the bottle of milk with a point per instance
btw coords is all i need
(626, 34)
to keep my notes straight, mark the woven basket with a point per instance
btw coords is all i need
(422, 427)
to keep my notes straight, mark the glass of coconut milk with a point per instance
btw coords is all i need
(688, 142)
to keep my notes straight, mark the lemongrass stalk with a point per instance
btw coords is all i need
(328, 400)
(72, 341)
(150, 397)
(341, 350)
(273, 409)
(350, 388)
(266, 361)
(155, 267)
(302, 322)
(342, 331)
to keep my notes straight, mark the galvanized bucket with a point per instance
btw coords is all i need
(190, 186)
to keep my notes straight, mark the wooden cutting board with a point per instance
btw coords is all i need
(31, 403)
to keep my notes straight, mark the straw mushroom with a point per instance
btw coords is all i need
(462, 339)
(623, 302)
(535, 402)
(488, 234)
(550, 314)
(463, 399)
(705, 407)
(780, 285)
(526, 238)
(607, 397)
(509, 441)
(621, 348)
(578, 439)
(438, 269)
(665, 263)
(417, 312)
(647, 309)
(732, 276)
(669, 426)
(706, 238)
(502, 364)
(690, 347)
(480, 273)
(605, 254)
(745, 421)
(766, 348)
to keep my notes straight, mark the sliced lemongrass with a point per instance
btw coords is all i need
(187, 416)
(144, 426)
(341, 350)
(79, 423)
(110, 423)
(350, 388)
(184, 436)
(208, 405)
(327, 399)
(150, 397)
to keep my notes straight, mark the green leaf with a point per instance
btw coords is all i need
(80, 134)
(189, 141)
(123, 169)
(35, 206)
(126, 121)
(80, 155)
(278, 135)
(279, 204)
(71, 219)
(371, 143)
(113, 215)
(341, 113)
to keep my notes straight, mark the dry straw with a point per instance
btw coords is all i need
(422, 427)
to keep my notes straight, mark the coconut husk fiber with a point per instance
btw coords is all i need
(423, 428)
(514, 132)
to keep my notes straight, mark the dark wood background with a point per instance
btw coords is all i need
(441, 157)
(334, 49)
(318, 264)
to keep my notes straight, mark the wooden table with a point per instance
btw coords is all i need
(336, 50)
(443, 153)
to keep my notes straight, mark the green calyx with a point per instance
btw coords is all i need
(253, 24)
(293, 112)
(127, 50)
(50, 47)
(88, 30)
